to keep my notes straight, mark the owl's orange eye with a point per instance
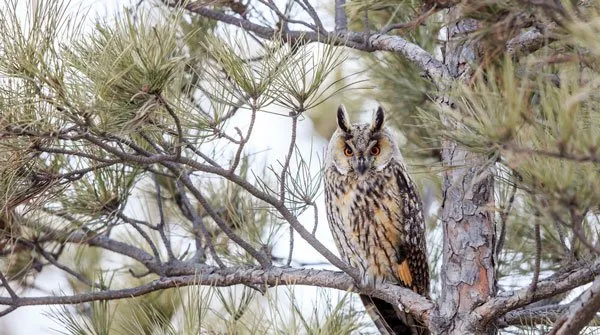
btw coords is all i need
(348, 152)
(375, 151)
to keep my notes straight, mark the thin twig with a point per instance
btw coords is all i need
(243, 141)
(7, 287)
(145, 236)
(315, 17)
(284, 17)
(201, 154)
(178, 146)
(538, 256)
(162, 225)
(411, 24)
(289, 259)
(316, 213)
(341, 19)
(504, 218)
(288, 157)
(260, 257)
(197, 221)
(77, 275)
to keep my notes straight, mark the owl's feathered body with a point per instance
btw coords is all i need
(375, 214)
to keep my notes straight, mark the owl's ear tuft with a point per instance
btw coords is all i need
(342, 119)
(378, 120)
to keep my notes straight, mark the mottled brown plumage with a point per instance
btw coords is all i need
(375, 215)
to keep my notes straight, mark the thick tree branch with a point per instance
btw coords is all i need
(556, 284)
(530, 41)
(425, 61)
(213, 276)
(532, 316)
(580, 313)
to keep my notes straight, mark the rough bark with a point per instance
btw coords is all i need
(468, 274)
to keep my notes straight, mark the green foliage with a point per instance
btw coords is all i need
(126, 65)
(546, 136)
(207, 310)
(97, 320)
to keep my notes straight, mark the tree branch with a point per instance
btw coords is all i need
(341, 19)
(532, 316)
(580, 313)
(425, 61)
(555, 284)
(274, 276)
(98, 241)
(530, 41)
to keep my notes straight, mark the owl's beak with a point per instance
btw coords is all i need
(361, 165)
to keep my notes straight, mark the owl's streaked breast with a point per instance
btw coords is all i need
(367, 219)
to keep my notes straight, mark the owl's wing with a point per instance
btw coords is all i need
(412, 268)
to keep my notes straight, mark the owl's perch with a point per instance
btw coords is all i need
(416, 304)
(183, 274)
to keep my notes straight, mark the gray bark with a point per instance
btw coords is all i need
(468, 273)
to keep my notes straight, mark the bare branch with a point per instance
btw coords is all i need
(100, 241)
(54, 261)
(274, 276)
(173, 115)
(504, 218)
(580, 313)
(6, 285)
(530, 41)
(162, 225)
(284, 17)
(341, 19)
(288, 157)
(313, 14)
(136, 225)
(538, 256)
(243, 141)
(425, 61)
(582, 274)
(291, 252)
(259, 256)
(532, 316)
(198, 225)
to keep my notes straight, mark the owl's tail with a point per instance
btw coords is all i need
(391, 321)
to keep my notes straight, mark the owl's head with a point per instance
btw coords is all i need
(360, 149)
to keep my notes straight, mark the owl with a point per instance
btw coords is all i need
(375, 215)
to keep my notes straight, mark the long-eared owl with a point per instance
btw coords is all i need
(375, 215)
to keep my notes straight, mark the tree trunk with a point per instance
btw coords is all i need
(468, 273)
